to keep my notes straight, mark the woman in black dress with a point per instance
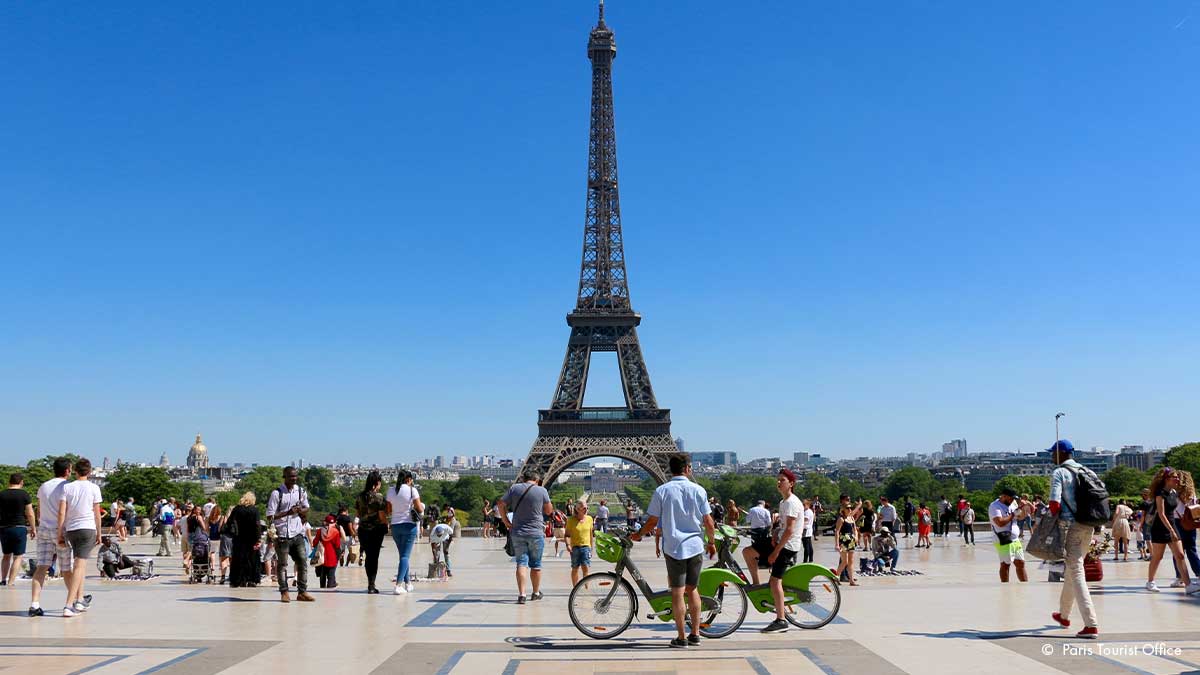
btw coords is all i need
(245, 568)
(1165, 489)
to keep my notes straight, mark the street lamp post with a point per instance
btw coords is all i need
(1056, 418)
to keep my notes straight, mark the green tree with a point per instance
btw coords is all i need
(913, 482)
(144, 483)
(1185, 457)
(261, 481)
(1125, 480)
(817, 485)
(186, 491)
(227, 500)
(1023, 485)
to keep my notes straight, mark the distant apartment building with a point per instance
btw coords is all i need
(800, 458)
(718, 458)
(1136, 457)
(955, 448)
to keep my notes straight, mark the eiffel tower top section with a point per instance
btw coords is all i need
(603, 287)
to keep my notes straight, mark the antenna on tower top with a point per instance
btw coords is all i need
(601, 12)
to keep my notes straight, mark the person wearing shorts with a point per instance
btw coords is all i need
(530, 504)
(16, 517)
(79, 530)
(48, 495)
(680, 507)
(1005, 514)
(579, 541)
(791, 542)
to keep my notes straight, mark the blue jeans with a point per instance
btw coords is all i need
(404, 534)
(1188, 539)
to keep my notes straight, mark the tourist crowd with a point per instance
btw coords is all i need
(243, 548)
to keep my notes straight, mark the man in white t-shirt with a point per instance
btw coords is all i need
(791, 520)
(1005, 513)
(48, 496)
(79, 530)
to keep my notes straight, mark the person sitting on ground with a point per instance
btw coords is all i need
(112, 559)
(883, 546)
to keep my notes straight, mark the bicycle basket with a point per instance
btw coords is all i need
(608, 547)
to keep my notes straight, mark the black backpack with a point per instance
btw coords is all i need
(1091, 498)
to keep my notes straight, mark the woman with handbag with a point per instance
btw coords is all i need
(371, 508)
(1185, 525)
(1163, 535)
(404, 510)
(245, 542)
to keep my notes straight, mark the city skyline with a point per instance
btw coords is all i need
(858, 231)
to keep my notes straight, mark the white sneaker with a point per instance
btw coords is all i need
(68, 612)
(1178, 583)
(399, 590)
(1193, 588)
(1151, 586)
(80, 608)
(408, 587)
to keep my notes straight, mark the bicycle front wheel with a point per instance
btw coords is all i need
(728, 615)
(602, 605)
(815, 606)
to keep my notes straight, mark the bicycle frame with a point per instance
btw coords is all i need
(795, 580)
(660, 601)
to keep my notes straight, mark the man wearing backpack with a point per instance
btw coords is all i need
(1077, 496)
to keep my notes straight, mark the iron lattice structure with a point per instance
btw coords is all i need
(603, 319)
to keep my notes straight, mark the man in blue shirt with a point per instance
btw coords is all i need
(1078, 540)
(680, 508)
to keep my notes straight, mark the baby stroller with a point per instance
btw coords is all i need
(201, 569)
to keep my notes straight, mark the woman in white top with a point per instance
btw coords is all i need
(404, 512)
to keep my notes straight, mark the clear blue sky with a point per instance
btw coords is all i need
(352, 231)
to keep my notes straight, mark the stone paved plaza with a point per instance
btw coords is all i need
(954, 618)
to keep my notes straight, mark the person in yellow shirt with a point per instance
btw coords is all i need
(579, 541)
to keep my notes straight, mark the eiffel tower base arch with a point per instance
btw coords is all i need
(551, 455)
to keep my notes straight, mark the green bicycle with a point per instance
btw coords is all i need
(603, 604)
(810, 590)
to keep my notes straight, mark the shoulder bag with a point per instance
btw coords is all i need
(508, 543)
(1049, 539)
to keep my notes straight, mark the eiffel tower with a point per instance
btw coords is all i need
(603, 319)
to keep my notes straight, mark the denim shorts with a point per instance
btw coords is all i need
(581, 556)
(528, 551)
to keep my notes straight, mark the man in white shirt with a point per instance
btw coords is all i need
(887, 514)
(48, 496)
(791, 518)
(79, 530)
(208, 507)
(760, 538)
(806, 537)
(287, 507)
(1005, 513)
